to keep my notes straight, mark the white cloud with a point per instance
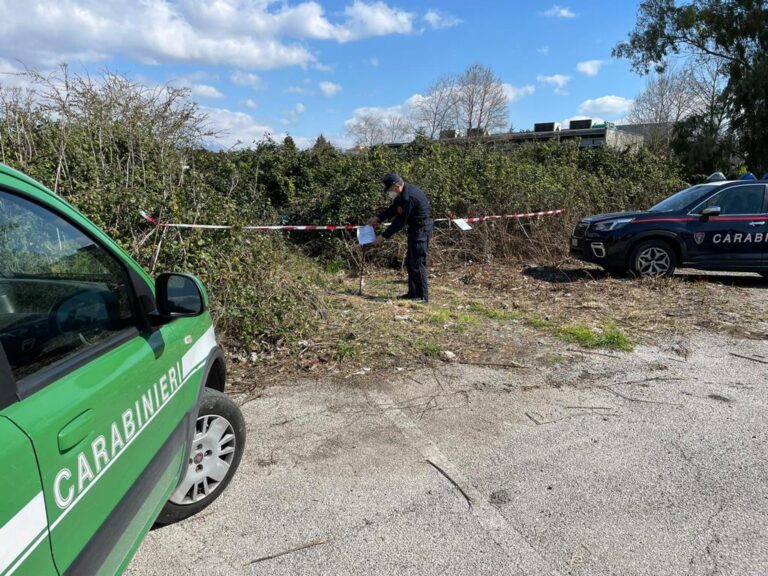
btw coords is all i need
(205, 91)
(606, 106)
(247, 79)
(196, 88)
(514, 93)
(544, 50)
(299, 90)
(374, 19)
(560, 12)
(374, 62)
(248, 34)
(329, 89)
(378, 111)
(235, 128)
(437, 19)
(240, 130)
(590, 67)
(559, 81)
(249, 103)
(383, 112)
(292, 116)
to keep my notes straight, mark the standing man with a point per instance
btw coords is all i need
(409, 207)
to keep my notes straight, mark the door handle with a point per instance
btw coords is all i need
(757, 223)
(74, 432)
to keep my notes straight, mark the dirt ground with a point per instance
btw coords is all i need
(499, 314)
(582, 425)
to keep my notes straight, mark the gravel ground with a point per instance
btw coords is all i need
(593, 463)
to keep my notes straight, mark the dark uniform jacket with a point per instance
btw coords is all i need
(411, 207)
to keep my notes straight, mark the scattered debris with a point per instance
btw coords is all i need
(510, 364)
(631, 399)
(448, 356)
(748, 358)
(593, 352)
(452, 481)
(534, 420)
(297, 549)
(365, 370)
(499, 497)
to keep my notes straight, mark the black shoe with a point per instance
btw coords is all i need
(407, 297)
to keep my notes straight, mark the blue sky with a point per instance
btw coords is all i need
(309, 67)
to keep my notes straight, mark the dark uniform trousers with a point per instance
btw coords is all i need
(419, 234)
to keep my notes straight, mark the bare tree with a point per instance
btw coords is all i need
(482, 104)
(397, 128)
(367, 130)
(438, 109)
(668, 98)
(709, 78)
(371, 128)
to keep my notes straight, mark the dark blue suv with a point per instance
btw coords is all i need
(719, 225)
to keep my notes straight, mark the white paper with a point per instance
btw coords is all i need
(462, 224)
(366, 235)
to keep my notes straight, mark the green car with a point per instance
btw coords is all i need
(112, 412)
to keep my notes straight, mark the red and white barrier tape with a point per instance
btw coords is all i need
(289, 228)
(525, 215)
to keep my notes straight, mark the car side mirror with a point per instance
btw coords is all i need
(179, 296)
(709, 212)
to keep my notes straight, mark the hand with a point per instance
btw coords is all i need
(379, 240)
(374, 221)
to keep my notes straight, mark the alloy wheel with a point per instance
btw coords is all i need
(653, 262)
(210, 458)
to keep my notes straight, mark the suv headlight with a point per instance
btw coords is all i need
(609, 225)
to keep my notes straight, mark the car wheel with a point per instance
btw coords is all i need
(213, 458)
(653, 259)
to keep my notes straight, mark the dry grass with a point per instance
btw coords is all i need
(510, 314)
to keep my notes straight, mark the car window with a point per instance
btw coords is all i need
(737, 200)
(60, 292)
(683, 199)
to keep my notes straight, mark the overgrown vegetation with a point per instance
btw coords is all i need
(113, 147)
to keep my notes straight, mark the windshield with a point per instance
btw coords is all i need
(683, 198)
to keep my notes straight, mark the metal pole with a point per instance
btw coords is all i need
(362, 269)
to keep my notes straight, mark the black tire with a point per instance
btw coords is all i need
(206, 468)
(653, 259)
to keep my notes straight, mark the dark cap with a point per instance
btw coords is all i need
(391, 179)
